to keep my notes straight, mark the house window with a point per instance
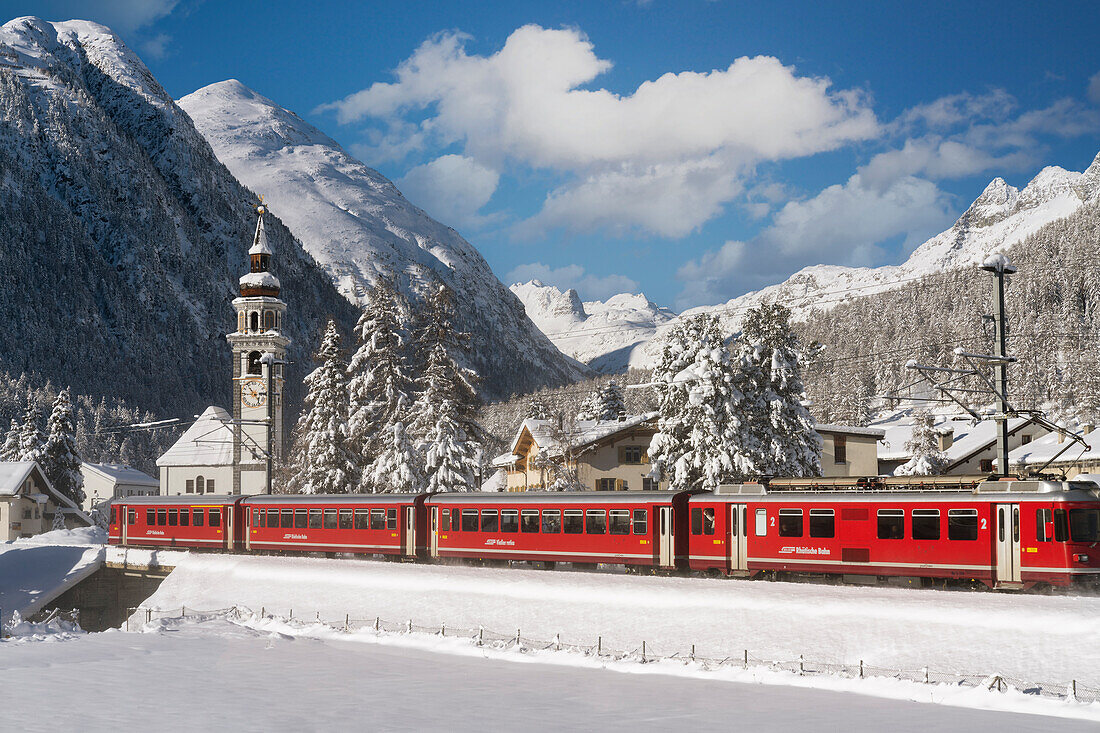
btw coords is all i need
(631, 454)
(840, 449)
(190, 486)
(605, 484)
(649, 484)
(986, 465)
(210, 486)
(1025, 439)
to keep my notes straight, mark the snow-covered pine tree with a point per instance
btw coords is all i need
(537, 409)
(398, 465)
(379, 385)
(923, 444)
(60, 460)
(322, 461)
(590, 408)
(446, 408)
(10, 449)
(32, 441)
(792, 445)
(612, 404)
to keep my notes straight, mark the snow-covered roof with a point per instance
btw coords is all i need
(208, 442)
(1041, 450)
(851, 430)
(13, 474)
(585, 432)
(120, 474)
(504, 460)
(497, 482)
(260, 280)
(968, 437)
(259, 242)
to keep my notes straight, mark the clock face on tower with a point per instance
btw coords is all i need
(253, 393)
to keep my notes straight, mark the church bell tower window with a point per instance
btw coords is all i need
(254, 321)
(254, 363)
(269, 320)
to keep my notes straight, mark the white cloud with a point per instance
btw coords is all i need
(1094, 88)
(452, 188)
(122, 16)
(843, 224)
(157, 46)
(527, 104)
(937, 158)
(589, 287)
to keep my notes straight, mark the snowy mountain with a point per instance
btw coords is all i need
(357, 225)
(600, 333)
(123, 234)
(1001, 217)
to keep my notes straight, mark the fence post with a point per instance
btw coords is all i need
(801, 665)
(183, 611)
(347, 621)
(643, 651)
(443, 629)
(377, 623)
(480, 635)
(925, 675)
(746, 659)
(148, 615)
(557, 642)
(318, 617)
(693, 652)
(599, 645)
(861, 669)
(292, 614)
(409, 626)
(517, 638)
(1073, 687)
(263, 612)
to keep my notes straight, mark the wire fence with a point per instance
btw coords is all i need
(644, 653)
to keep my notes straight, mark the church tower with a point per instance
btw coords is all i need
(259, 353)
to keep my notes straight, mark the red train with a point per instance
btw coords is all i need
(1008, 534)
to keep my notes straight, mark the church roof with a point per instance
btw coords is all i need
(120, 474)
(208, 442)
(259, 241)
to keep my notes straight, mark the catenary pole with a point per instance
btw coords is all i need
(1000, 266)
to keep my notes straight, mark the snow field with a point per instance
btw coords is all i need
(234, 673)
(1033, 638)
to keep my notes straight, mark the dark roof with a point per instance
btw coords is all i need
(187, 499)
(299, 499)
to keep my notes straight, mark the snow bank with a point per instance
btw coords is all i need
(1029, 637)
(36, 570)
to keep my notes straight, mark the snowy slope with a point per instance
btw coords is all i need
(36, 570)
(598, 333)
(357, 225)
(999, 218)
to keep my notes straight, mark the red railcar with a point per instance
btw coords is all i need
(633, 528)
(209, 523)
(380, 524)
(1005, 534)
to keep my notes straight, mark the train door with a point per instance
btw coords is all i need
(666, 536)
(739, 514)
(410, 531)
(123, 523)
(248, 524)
(1008, 543)
(434, 536)
(229, 528)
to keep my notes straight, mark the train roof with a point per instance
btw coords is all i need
(299, 499)
(205, 500)
(920, 489)
(555, 497)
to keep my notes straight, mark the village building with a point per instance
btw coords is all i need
(1056, 453)
(223, 453)
(970, 447)
(29, 503)
(106, 481)
(614, 455)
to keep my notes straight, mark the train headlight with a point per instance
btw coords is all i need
(1081, 557)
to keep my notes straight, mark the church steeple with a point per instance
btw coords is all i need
(260, 252)
(259, 281)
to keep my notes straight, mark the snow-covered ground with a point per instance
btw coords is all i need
(35, 570)
(1030, 637)
(250, 674)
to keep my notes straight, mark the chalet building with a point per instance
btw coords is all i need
(970, 447)
(614, 455)
(29, 502)
(104, 482)
(1057, 453)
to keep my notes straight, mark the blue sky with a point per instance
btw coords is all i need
(692, 150)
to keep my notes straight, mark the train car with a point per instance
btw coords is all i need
(638, 529)
(200, 523)
(1006, 534)
(391, 525)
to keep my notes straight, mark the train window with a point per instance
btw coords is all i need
(619, 521)
(696, 521)
(761, 522)
(926, 524)
(173, 517)
(509, 520)
(551, 521)
(345, 519)
(641, 521)
(962, 524)
(362, 519)
(288, 519)
(162, 517)
(1061, 532)
(469, 520)
(215, 518)
(1043, 520)
(256, 514)
(790, 522)
(315, 521)
(150, 517)
(270, 518)
(377, 518)
(822, 523)
(529, 520)
(574, 521)
(595, 521)
(185, 517)
(1084, 525)
(131, 516)
(891, 524)
(114, 515)
(391, 519)
(300, 518)
(489, 520)
(198, 517)
(708, 520)
(446, 520)
(329, 519)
